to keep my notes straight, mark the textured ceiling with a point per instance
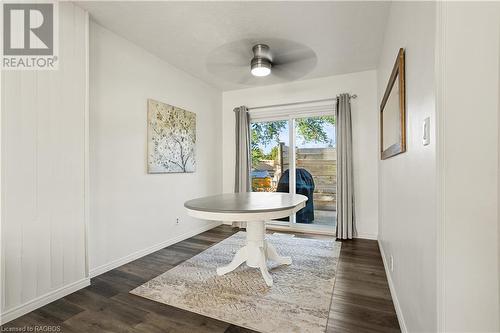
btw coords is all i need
(344, 36)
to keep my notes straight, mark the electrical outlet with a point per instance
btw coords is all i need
(392, 263)
(177, 220)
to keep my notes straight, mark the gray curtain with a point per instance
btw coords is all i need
(243, 162)
(345, 182)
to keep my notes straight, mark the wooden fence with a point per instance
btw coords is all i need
(322, 164)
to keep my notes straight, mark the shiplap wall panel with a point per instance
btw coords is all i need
(43, 171)
(27, 180)
(44, 184)
(11, 232)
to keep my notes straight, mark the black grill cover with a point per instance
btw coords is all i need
(304, 186)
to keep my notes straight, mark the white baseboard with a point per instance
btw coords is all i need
(367, 236)
(399, 312)
(141, 253)
(40, 301)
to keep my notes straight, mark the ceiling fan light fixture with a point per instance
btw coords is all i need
(260, 67)
(261, 62)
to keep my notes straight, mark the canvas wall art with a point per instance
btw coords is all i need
(171, 138)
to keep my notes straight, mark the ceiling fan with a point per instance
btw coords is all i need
(262, 61)
(252, 62)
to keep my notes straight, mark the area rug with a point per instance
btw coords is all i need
(299, 300)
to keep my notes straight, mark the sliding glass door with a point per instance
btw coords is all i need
(315, 163)
(269, 140)
(296, 154)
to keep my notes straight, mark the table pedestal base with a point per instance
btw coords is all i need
(256, 253)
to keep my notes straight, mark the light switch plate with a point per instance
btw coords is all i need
(426, 129)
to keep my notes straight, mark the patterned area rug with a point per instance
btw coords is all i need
(299, 300)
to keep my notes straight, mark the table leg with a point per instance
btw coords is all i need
(239, 258)
(274, 256)
(256, 252)
(263, 268)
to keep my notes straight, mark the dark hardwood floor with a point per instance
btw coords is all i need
(361, 300)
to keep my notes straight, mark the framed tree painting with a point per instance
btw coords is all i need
(171, 139)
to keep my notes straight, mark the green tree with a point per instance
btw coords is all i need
(310, 129)
(273, 154)
(257, 155)
(265, 133)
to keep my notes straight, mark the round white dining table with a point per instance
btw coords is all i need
(256, 209)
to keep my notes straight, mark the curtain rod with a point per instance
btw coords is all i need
(298, 103)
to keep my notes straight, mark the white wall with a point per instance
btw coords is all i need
(43, 175)
(132, 212)
(469, 54)
(364, 120)
(407, 182)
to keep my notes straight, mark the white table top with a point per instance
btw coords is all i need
(247, 202)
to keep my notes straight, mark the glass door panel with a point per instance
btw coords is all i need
(316, 170)
(269, 141)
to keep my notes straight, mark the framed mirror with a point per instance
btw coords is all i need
(393, 112)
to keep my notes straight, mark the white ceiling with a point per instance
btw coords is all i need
(345, 36)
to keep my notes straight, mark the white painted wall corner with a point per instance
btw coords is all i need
(397, 306)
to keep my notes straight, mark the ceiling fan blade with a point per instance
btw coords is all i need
(294, 70)
(231, 59)
(294, 56)
(241, 49)
(290, 61)
(227, 65)
(284, 73)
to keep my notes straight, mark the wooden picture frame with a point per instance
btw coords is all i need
(393, 109)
